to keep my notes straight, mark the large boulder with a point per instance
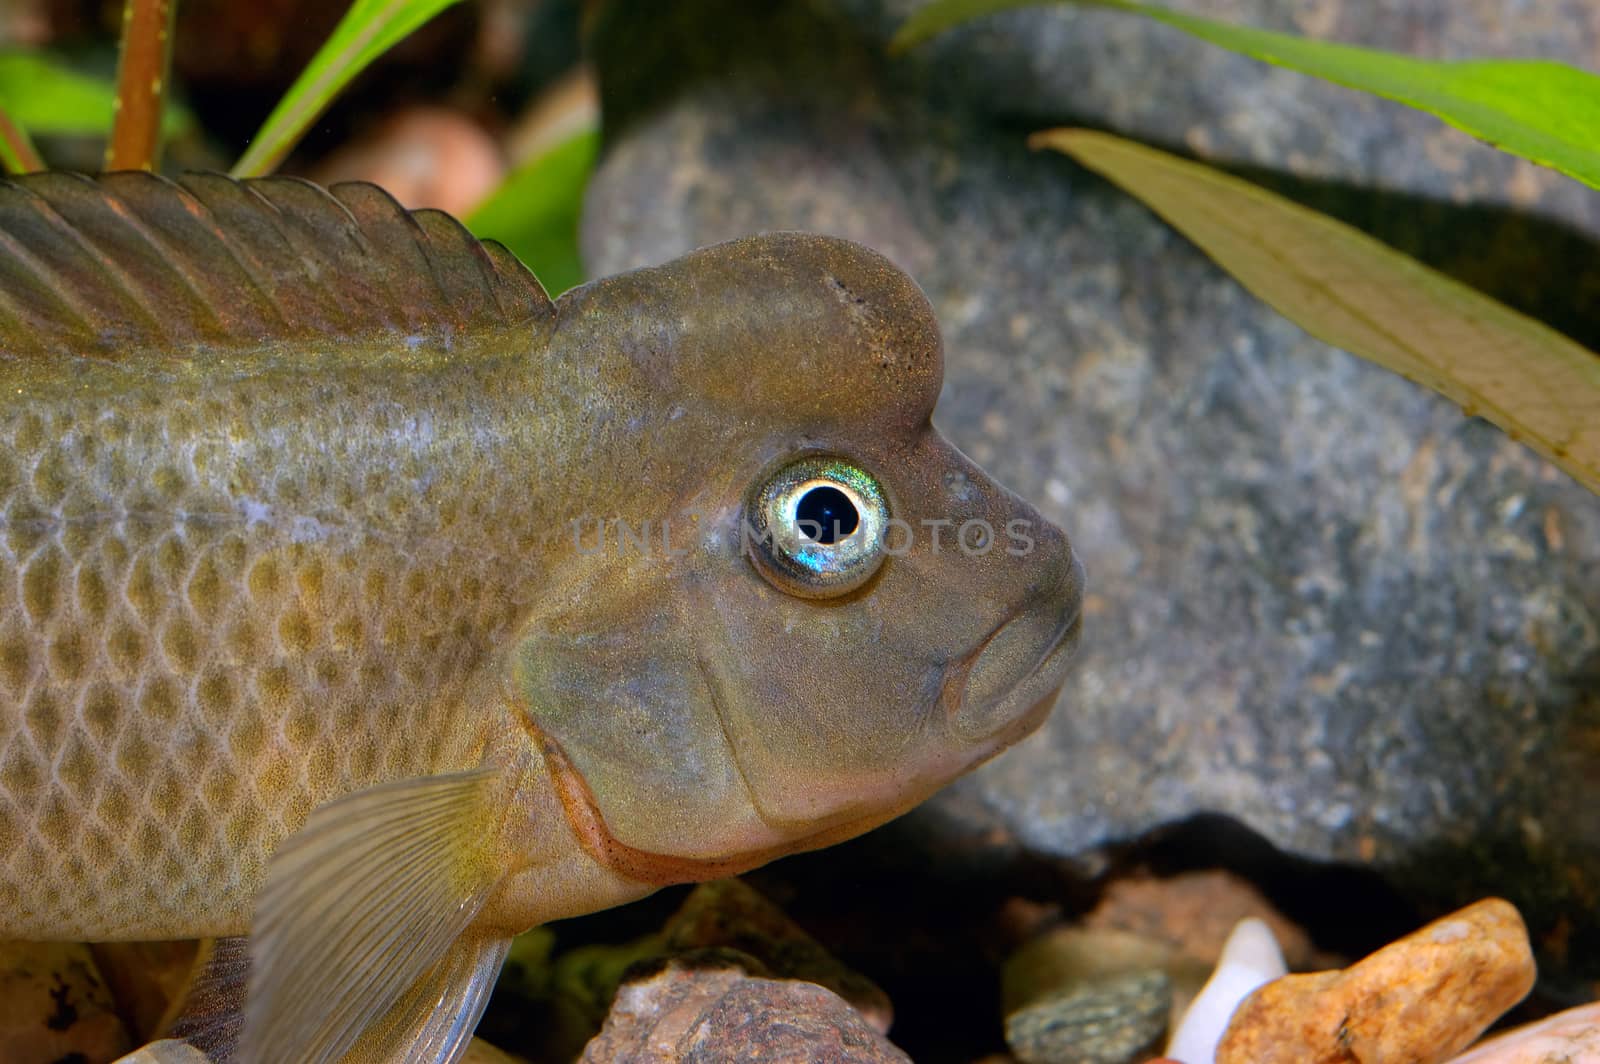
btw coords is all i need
(1324, 602)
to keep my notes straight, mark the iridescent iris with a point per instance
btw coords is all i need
(816, 526)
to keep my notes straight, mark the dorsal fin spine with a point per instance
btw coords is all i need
(132, 264)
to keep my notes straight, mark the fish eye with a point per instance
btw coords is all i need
(815, 527)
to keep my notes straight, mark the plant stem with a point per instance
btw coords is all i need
(141, 84)
(17, 153)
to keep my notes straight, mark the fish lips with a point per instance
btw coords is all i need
(1007, 685)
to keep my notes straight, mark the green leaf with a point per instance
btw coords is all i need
(535, 211)
(1544, 111)
(47, 97)
(368, 29)
(1348, 289)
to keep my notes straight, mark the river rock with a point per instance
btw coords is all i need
(727, 914)
(1420, 1000)
(1115, 1019)
(700, 1010)
(1323, 602)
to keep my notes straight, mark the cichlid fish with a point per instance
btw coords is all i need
(357, 597)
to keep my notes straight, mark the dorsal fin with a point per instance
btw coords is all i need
(125, 264)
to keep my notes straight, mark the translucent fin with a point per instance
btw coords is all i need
(166, 1051)
(433, 1023)
(131, 264)
(210, 1014)
(360, 905)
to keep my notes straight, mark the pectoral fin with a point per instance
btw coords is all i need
(434, 1021)
(361, 909)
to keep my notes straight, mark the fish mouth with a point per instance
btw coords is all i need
(997, 689)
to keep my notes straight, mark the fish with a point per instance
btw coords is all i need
(362, 607)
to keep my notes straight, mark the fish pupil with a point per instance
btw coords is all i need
(826, 515)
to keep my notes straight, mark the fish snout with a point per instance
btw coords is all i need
(1010, 681)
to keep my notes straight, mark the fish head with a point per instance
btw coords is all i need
(815, 611)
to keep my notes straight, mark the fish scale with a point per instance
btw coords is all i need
(298, 637)
(198, 667)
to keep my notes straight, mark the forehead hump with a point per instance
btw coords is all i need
(791, 326)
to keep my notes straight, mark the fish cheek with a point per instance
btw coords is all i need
(829, 707)
(612, 675)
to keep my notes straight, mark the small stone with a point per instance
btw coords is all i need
(1115, 1020)
(1198, 911)
(54, 1006)
(1571, 1037)
(1250, 958)
(1418, 1000)
(700, 1009)
(1071, 957)
(730, 915)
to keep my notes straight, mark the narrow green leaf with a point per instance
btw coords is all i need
(536, 209)
(1544, 111)
(50, 99)
(1348, 289)
(368, 29)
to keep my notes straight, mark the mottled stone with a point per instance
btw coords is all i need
(55, 1007)
(1197, 912)
(1571, 1037)
(547, 1007)
(1068, 956)
(728, 914)
(1322, 601)
(1420, 1000)
(697, 1014)
(1117, 1019)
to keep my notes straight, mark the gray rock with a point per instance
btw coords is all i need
(1119, 1020)
(1323, 601)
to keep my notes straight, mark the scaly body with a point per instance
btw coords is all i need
(356, 596)
(229, 592)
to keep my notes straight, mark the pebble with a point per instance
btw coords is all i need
(1117, 1019)
(1196, 912)
(1419, 1000)
(1071, 957)
(1571, 1037)
(1250, 958)
(727, 914)
(703, 1008)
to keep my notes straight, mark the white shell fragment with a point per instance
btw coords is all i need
(1250, 958)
